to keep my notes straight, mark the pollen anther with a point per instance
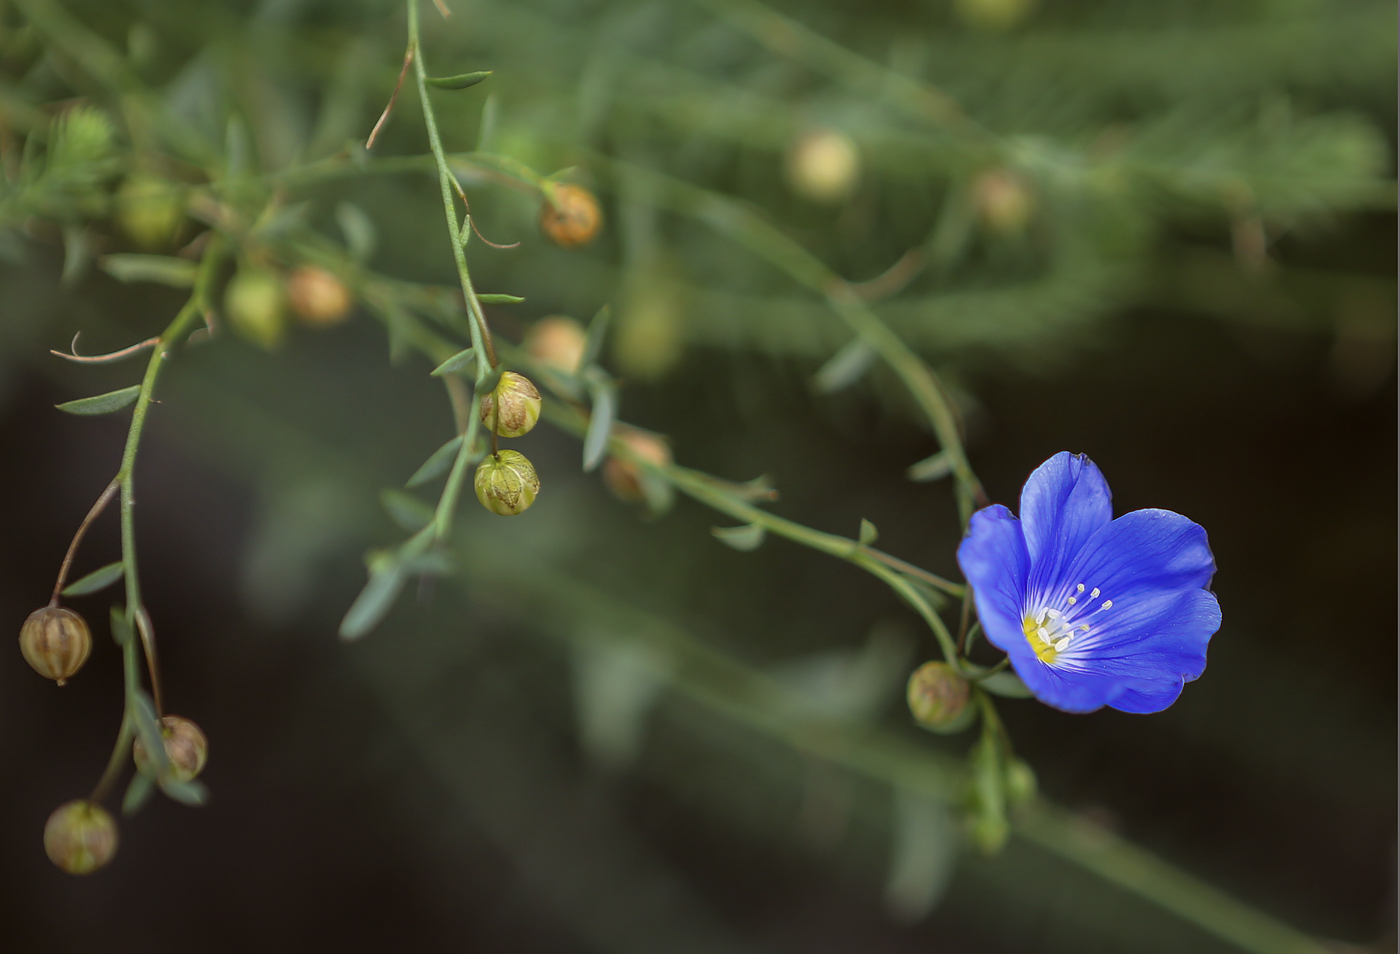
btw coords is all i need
(1094, 593)
(1107, 604)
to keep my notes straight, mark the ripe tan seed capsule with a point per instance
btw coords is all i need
(318, 297)
(623, 477)
(185, 747)
(557, 342)
(519, 403)
(823, 165)
(506, 483)
(937, 695)
(80, 837)
(56, 642)
(573, 218)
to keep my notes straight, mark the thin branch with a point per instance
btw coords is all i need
(384, 116)
(102, 501)
(127, 352)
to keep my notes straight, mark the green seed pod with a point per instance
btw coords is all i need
(938, 697)
(519, 402)
(256, 304)
(80, 837)
(1004, 202)
(150, 210)
(56, 642)
(185, 747)
(506, 483)
(823, 165)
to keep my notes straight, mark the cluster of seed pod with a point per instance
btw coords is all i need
(81, 836)
(259, 300)
(506, 482)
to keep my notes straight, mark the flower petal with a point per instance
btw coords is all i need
(1142, 555)
(1144, 701)
(993, 557)
(1064, 503)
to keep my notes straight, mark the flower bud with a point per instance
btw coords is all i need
(823, 165)
(937, 696)
(56, 642)
(256, 305)
(570, 216)
(517, 401)
(556, 342)
(1004, 201)
(80, 837)
(623, 477)
(318, 297)
(185, 747)
(506, 483)
(150, 210)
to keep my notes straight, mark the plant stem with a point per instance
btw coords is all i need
(92, 514)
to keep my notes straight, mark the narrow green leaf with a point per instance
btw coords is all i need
(1006, 684)
(492, 299)
(121, 629)
(192, 793)
(746, 538)
(595, 442)
(437, 464)
(458, 362)
(410, 513)
(660, 496)
(96, 580)
(868, 533)
(845, 367)
(937, 467)
(77, 252)
(460, 81)
(597, 331)
(490, 379)
(138, 793)
(374, 602)
(358, 229)
(160, 269)
(143, 713)
(487, 130)
(102, 403)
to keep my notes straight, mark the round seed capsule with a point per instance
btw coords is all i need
(80, 837)
(186, 748)
(506, 483)
(318, 297)
(573, 217)
(937, 695)
(518, 401)
(56, 642)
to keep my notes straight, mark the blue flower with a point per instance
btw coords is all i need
(1092, 611)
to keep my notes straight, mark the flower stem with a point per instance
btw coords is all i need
(92, 514)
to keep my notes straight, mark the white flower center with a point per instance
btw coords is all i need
(1052, 624)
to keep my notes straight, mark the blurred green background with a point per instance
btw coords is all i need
(1163, 236)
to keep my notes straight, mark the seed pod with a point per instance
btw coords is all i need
(519, 405)
(937, 696)
(80, 837)
(150, 210)
(623, 477)
(56, 642)
(506, 483)
(557, 342)
(185, 746)
(1004, 201)
(318, 297)
(823, 165)
(256, 304)
(573, 217)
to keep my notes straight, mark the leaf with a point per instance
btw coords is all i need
(868, 533)
(1006, 684)
(597, 331)
(358, 229)
(121, 628)
(595, 442)
(77, 252)
(458, 362)
(487, 130)
(747, 538)
(374, 602)
(96, 580)
(657, 491)
(191, 793)
(160, 269)
(490, 379)
(102, 403)
(937, 467)
(143, 713)
(491, 299)
(410, 513)
(460, 81)
(138, 793)
(921, 862)
(845, 367)
(437, 464)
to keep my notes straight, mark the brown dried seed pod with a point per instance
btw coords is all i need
(185, 746)
(506, 483)
(80, 837)
(56, 642)
(623, 477)
(318, 297)
(573, 217)
(519, 402)
(558, 342)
